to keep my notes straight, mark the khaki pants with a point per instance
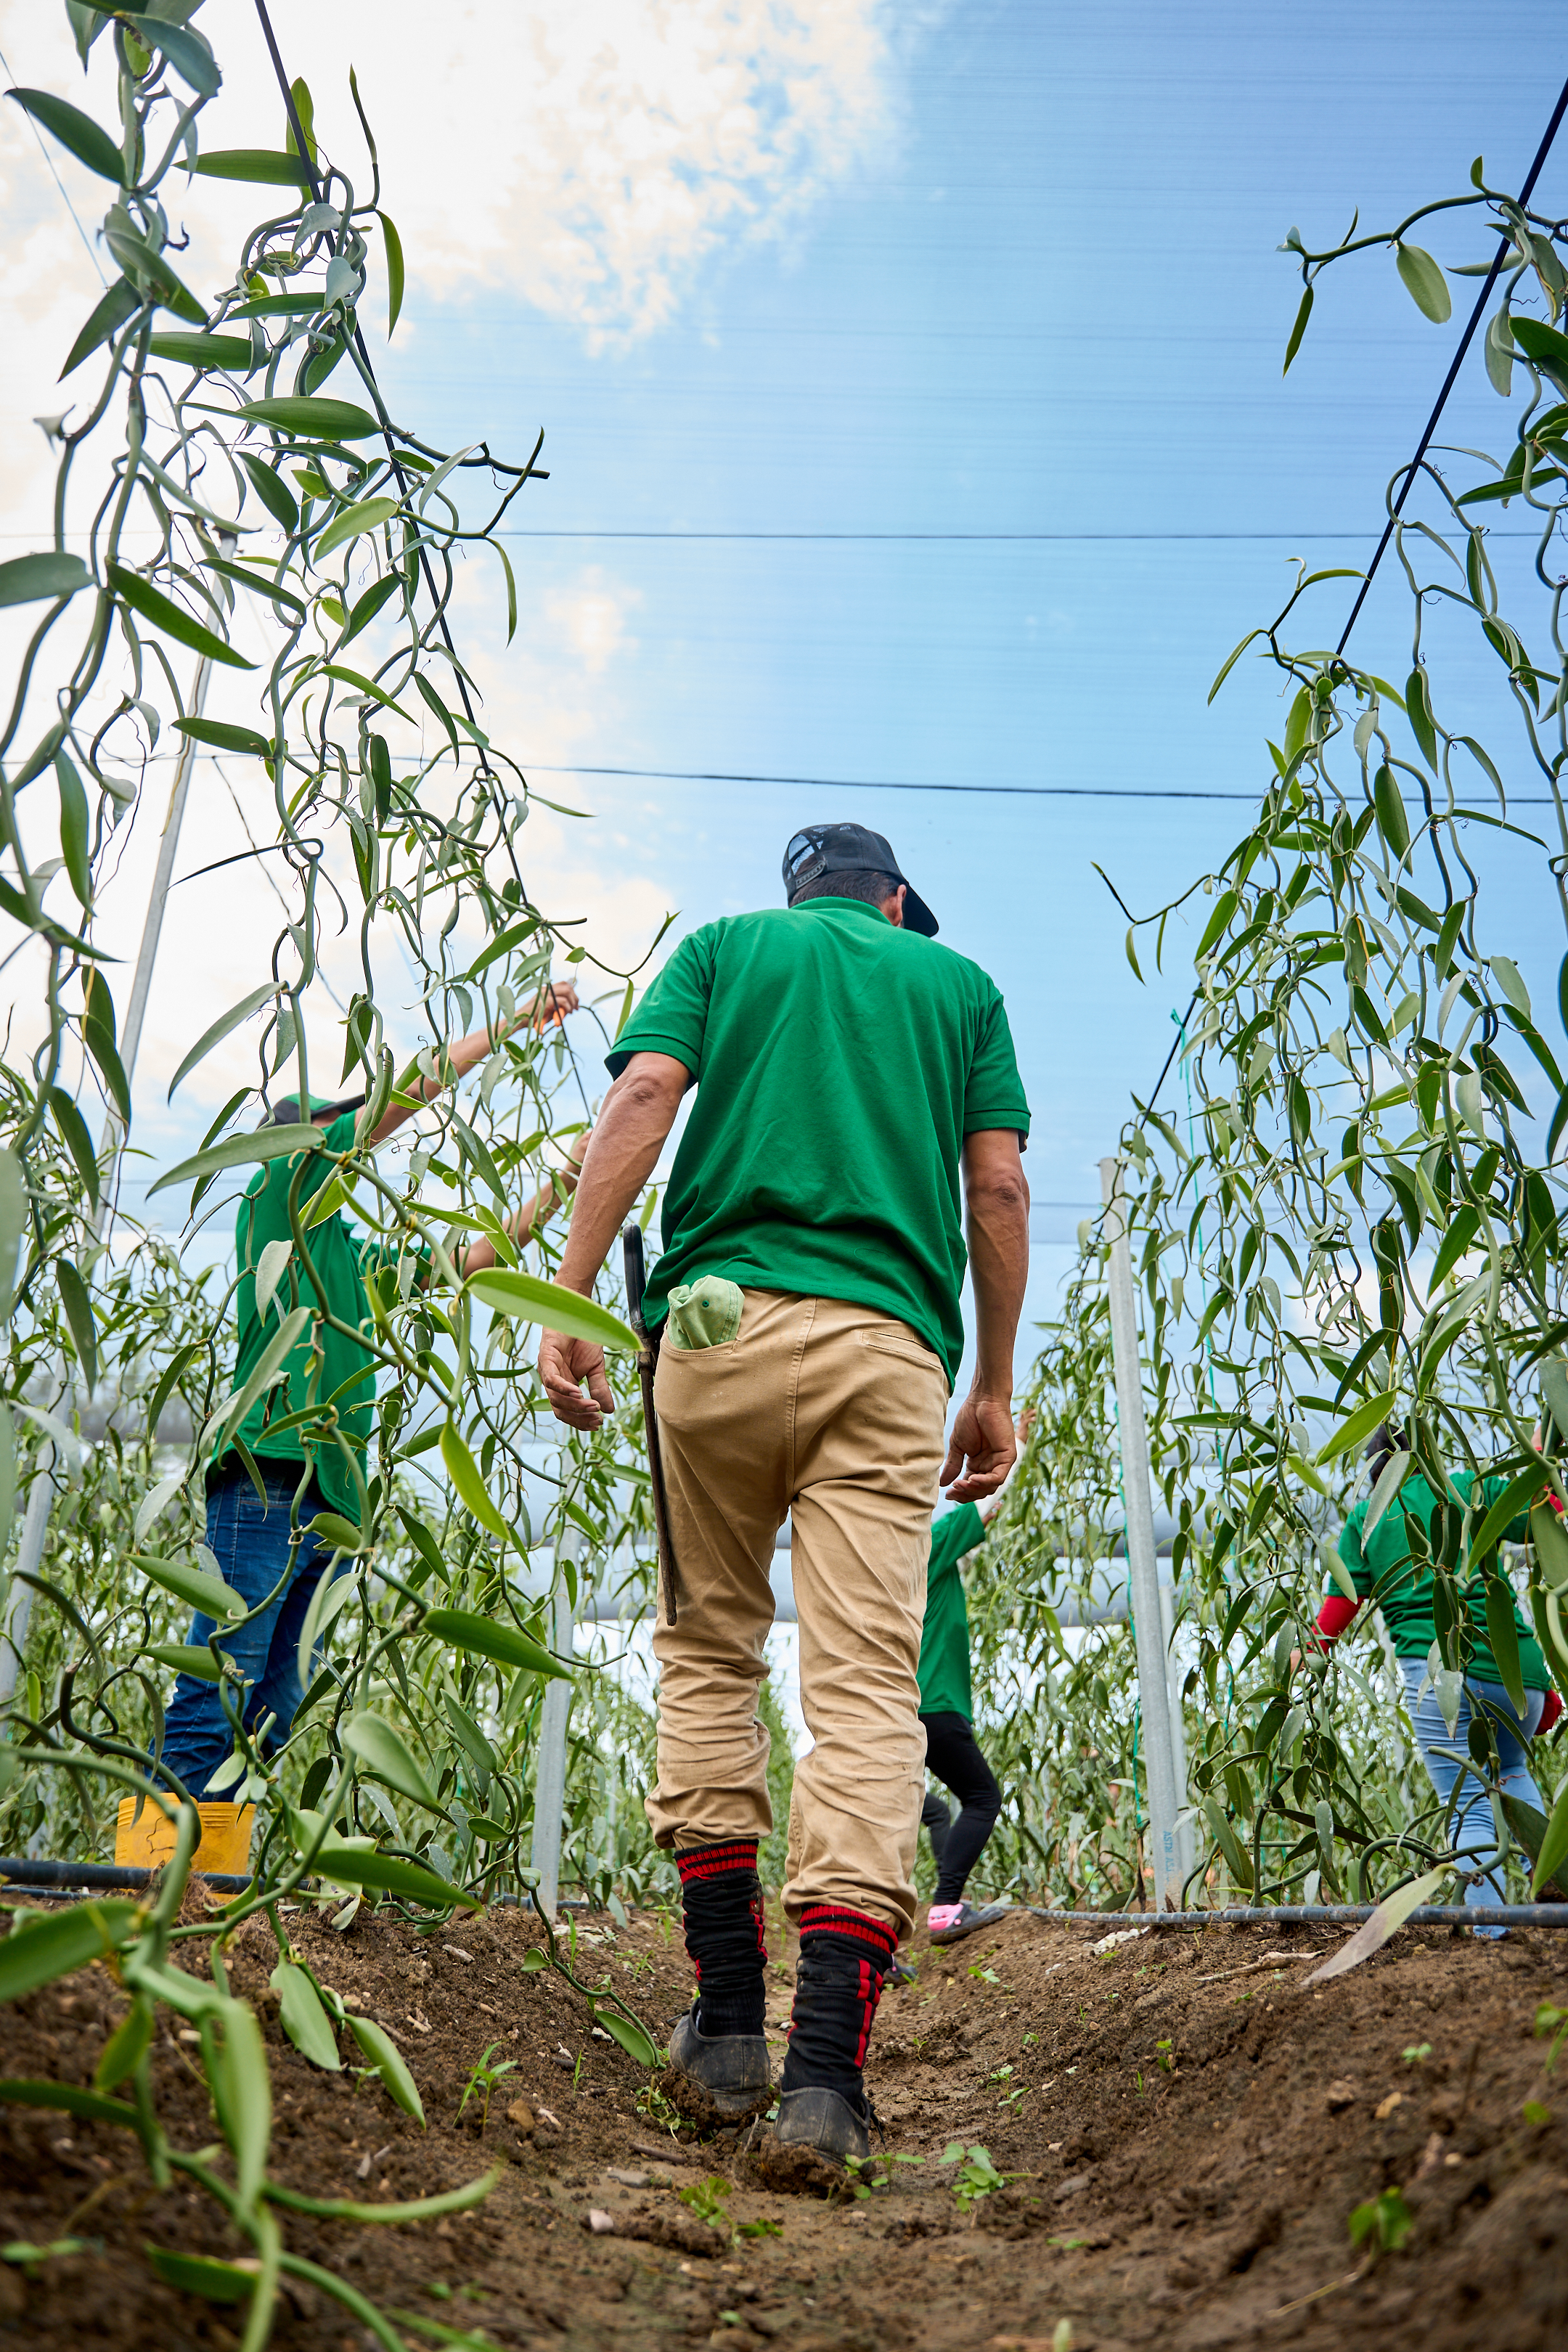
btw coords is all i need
(833, 1413)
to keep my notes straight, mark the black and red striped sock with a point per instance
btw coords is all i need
(844, 1956)
(721, 1897)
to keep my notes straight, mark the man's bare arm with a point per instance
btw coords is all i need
(638, 1115)
(983, 1447)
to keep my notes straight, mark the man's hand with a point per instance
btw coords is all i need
(982, 1449)
(638, 1113)
(568, 1366)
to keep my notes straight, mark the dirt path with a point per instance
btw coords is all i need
(1190, 2125)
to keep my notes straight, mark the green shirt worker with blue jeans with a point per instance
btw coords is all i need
(1384, 1573)
(262, 1543)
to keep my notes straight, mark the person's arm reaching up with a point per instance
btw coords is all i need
(525, 1221)
(982, 1448)
(638, 1115)
(553, 1003)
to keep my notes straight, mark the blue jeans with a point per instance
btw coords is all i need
(251, 1543)
(1474, 1832)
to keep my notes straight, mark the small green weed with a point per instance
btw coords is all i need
(1554, 2021)
(1534, 2113)
(1387, 2218)
(1414, 2053)
(760, 2229)
(706, 2199)
(656, 2109)
(482, 2079)
(984, 1975)
(1165, 2057)
(977, 2176)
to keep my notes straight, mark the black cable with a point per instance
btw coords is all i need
(1452, 377)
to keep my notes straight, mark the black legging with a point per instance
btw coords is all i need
(953, 1754)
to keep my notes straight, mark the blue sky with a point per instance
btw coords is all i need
(1010, 371)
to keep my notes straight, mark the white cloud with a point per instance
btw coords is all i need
(592, 617)
(593, 158)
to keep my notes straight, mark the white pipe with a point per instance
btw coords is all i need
(1143, 1578)
(550, 1765)
(41, 1492)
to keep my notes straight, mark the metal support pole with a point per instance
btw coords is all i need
(1143, 1576)
(1187, 1837)
(550, 1768)
(41, 1492)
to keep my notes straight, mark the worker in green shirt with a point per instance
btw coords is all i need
(258, 1543)
(947, 1715)
(1383, 1571)
(857, 1099)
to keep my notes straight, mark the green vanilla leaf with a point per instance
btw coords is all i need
(208, 1594)
(224, 738)
(394, 272)
(186, 51)
(191, 1658)
(78, 133)
(388, 2061)
(67, 2098)
(173, 619)
(30, 578)
(489, 1637)
(260, 165)
(57, 1946)
(237, 1150)
(354, 521)
(558, 1309)
(464, 1474)
(125, 2048)
(634, 2040)
(380, 1750)
(302, 2017)
(1360, 1424)
(1554, 1848)
(231, 352)
(1298, 331)
(1386, 1920)
(1425, 282)
(351, 1866)
(76, 830)
(220, 1030)
(273, 492)
(105, 320)
(317, 420)
(203, 2275)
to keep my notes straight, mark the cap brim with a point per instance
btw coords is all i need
(918, 916)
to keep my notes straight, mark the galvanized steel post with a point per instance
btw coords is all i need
(1143, 1578)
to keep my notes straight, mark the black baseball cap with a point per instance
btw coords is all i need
(851, 849)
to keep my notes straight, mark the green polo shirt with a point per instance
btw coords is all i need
(840, 1062)
(1406, 1600)
(341, 1259)
(943, 1670)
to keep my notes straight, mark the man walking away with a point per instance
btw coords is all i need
(855, 1082)
(947, 1718)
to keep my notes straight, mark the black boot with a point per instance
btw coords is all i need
(718, 2047)
(844, 1956)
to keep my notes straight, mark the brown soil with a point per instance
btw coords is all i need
(1196, 2205)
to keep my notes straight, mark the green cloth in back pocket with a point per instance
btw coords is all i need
(705, 1313)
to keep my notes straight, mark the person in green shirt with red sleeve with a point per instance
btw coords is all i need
(1383, 1571)
(947, 1715)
